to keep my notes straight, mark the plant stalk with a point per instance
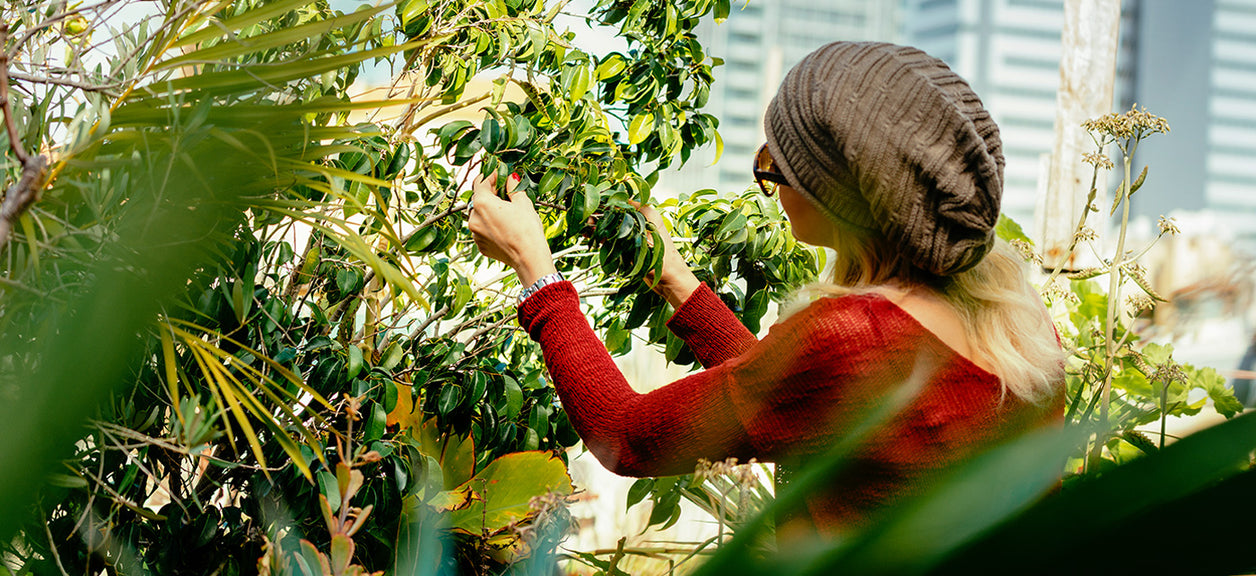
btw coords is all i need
(1114, 304)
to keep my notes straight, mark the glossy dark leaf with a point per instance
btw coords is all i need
(450, 399)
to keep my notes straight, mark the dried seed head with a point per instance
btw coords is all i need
(1098, 159)
(1026, 251)
(1136, 303)
(1168, 226)
(1132, 124)
(1086, 234)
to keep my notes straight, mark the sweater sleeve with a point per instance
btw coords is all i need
(710, 329)
(735, 409)
(661, 433)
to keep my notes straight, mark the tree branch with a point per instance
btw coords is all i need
(19, 197)
(107, 89)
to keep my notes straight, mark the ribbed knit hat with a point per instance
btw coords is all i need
(888, 138)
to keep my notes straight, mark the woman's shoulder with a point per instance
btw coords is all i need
(890, 318)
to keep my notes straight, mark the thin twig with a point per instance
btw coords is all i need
(7, 283)
(15, 141)
(106, 89)
(430, 319)
(409, 127)
(123, 500)
(52, 545)
(30, 32)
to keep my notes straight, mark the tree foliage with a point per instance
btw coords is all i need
(243, 326)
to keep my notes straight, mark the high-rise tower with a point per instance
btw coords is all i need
(759, 42)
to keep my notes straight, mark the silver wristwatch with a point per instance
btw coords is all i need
(541, 282)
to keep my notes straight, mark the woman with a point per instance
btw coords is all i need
(883, 154)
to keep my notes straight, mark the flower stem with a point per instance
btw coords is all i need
(1114, 302)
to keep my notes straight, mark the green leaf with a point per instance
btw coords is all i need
(376, 423)
(1156, 353)
(538, 420)
(732, 224)
(514, 398)
(393, 356)
(640, 128)
(523, 133)
(452, 131)
(252, 78)
(665, 508)
(479, 384)
(1138, 182)
(341, 553)
(592, 199)
(390, 396)
(1197, 477)
(1008, 229)
(329, 487)
(66, 481)
(639, 490)
(722, 8)
(612, 66)
(462, 295)
(454, 454)
(355, 362)
(579, 82)
(1225, 403)
(616, 338)
(450, 398)
(349, 281)
(491, 134)
(505, 488)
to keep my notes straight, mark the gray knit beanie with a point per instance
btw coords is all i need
(888, 138)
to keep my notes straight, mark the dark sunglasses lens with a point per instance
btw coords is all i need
(763, 160)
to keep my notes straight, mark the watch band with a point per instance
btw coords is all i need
(541, 282)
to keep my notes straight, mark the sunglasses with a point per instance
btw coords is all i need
(766, 174)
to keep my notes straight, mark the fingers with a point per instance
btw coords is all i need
(485, 187)
(516, 193)
(484, 183)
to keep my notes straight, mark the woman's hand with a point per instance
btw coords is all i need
(509, 231)
(676, 282)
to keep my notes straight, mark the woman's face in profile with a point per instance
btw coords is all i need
(805, 221)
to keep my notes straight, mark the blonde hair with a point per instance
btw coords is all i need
(1007, 326)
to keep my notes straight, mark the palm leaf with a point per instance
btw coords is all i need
(347, 237)
(216, 28)
(235, 46)
(234, 396)
(255, 78)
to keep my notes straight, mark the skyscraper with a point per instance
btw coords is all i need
(1196, 66)
(759, 42)
(1191, 62)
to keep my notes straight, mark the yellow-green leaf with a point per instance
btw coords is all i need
(456, 455)
(640, 128)
(611, 66)
(505, 488)
(579, 82)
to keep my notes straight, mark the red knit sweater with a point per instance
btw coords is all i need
(786, 397)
